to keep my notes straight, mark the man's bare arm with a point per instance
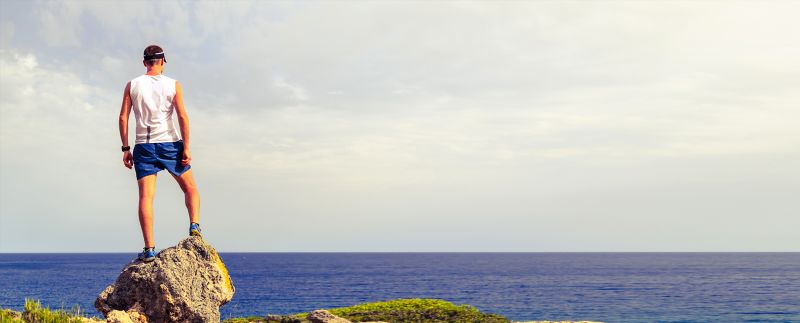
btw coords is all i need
(124, 114)
(183, 121)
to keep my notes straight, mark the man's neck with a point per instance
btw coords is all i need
(153, 72)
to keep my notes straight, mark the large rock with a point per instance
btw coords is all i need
(185, 283)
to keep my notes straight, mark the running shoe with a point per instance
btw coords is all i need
(194, 230)
(148, 254)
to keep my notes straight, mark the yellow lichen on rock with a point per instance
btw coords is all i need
(224, 270)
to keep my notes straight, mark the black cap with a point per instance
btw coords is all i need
(156, 56)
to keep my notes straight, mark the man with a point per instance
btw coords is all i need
(155, 98)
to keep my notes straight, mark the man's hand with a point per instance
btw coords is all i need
(127, 159)
(187, 158)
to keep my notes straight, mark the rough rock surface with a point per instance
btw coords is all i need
(116, 316)
(185, 283)
(323, 316)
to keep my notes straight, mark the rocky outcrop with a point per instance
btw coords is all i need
(185, 283)
(323, 316)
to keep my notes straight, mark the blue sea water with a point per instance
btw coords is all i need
(609, 287)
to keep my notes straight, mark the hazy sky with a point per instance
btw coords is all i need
(412, 126)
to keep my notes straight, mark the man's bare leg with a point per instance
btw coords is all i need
(147, 190)
(191, 196)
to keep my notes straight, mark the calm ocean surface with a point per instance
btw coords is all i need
(610, 287)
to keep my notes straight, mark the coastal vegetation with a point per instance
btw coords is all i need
(35, 313)
(399, 310)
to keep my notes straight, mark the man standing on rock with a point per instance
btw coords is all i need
(155, 98)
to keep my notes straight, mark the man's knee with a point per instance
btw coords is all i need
(186, 182)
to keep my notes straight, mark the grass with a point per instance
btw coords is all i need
(415, 310)
(35, 313)
(9, 316)
(399, 310)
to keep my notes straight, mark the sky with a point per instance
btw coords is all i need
(402, 126)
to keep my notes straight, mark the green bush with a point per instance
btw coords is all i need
(35, 313)
(399, 310)
(415, 310)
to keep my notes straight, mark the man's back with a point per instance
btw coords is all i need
(152, 99)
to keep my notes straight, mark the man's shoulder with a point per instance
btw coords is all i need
(167, 78)
(160, 76)
(136, 79)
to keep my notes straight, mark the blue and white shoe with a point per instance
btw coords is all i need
(194, 230)
(148, 254)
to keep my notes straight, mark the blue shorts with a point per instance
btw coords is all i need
(150, 158)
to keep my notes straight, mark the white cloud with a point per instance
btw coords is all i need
(60, 23)
(296, 92)
(217, 18)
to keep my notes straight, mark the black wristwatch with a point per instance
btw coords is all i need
(126, 148)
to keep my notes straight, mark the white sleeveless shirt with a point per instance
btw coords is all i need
(152, 99)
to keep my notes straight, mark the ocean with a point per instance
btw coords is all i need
(608, 287)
